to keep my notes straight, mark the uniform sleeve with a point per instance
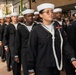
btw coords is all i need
(17, 42)
(71, 36)
(6, 36)
(32, 50)
(1, 30)
(0, 35)
(68, 51)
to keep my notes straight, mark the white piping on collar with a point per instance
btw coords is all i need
(53, 46)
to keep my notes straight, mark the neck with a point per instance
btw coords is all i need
(28, 24)
(47, 22)
(58, 19)
(8, 22)
(14, 22)
(2, 23)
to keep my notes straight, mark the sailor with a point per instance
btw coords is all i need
(9, 42)
(47, 43)
(37, 18)
(58, 18)
(71, 34)
(2, 27)
(8, 54)
(22, 37)
(21, 18)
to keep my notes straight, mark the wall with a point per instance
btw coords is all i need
(57, 3)
(16, 5)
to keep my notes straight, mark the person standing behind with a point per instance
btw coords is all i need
(71, 34)
(73, 17)
(68, 21)
(21, 18)
(7, 52)
(37, 18)
(2, 27)
(58, 18)
(9, 42)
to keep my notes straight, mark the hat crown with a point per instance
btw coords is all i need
(36, 12)
(8, 15)
(27, 11)
(57, 10)
(14, 14)
(20, 16)
(44, 6)
(2, 16)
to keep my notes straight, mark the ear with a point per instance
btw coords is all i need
(40, 15)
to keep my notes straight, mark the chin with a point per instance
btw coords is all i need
(50, 19)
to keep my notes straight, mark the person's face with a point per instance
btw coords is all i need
(47, 14)
(14, 18)
(36, 16)
(58, 15)
(29, 18)
(73, 17)
(20, 19)
(8, 19)
(2, 20)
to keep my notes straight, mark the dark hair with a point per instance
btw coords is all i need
(24, 15)
(41, 12)
(73, 14)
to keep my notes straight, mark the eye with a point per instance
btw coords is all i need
(48, 11)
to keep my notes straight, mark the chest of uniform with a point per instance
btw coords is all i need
(24, 31)
(46, 37)
(12, 30)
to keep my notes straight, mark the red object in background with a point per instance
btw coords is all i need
(58, 27)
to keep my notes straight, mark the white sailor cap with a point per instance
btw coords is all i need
(75, 14)
(28, 11)
(20, 16)
(14, 14)
(8, 16)
(57, 10)
(2, 16)
(44, 6)
(36, 12)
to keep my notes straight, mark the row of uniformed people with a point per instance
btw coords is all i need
(71, 34)
(48, 44)
(6, 19)
(45, 46)
(4, 36)
(69, 26)
(5, 55)
(8, 38)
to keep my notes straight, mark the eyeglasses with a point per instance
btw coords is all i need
(48, 11)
